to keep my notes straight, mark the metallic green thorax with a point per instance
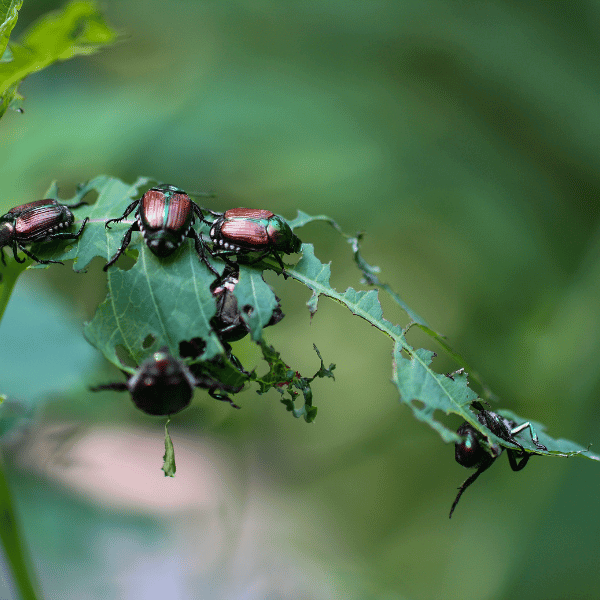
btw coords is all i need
(282, 236)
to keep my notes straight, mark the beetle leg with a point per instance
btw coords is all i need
(124, 244)
(273, 253)
(199, 244)
(75, 205)
(125, 214)
(278, 259)
(43, 262)
(14, 249)
(67, 235)
(213, 213)
(512, 459)
(534, 437)
(222, 397)
(200, 214)
(117, 387)
(2, 254)
(223, 254)
(235, 361)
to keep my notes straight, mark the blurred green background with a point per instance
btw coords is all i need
(464, 139)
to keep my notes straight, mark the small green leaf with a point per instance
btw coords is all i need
(78, 29)
(312, 273)
(9, 13)
(287, 381)
(256, 300)
(169, 458)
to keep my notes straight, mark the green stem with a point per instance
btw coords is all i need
(17, 557)
(8, 278)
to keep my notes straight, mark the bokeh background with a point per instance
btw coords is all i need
(463, 137)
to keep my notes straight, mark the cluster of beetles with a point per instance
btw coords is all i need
(165, 215)
(164, 385)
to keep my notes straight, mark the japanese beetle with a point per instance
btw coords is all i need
(244, 230)
(471, 452)
(228, 322)
(165, 215)
(163, 385)
(38, 221)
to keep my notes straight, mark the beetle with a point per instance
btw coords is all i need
(38, 221)
(165, 215)
(245, 230)
(471, 453)
(164, 385)
(228, 322)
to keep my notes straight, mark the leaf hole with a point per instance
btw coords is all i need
(248, 309)
(192, 348)
(148, 341)
(90, 197)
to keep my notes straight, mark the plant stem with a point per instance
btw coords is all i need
(8, 278)
(17, 557)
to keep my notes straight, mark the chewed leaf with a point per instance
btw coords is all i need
(313, 274)
(169, 467)
(555, 447)
(290, 382)
(256, 300)
(426, 391)
(167, 300)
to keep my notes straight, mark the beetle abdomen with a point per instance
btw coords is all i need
(39, 223)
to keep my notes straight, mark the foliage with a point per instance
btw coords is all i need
(168, 302)
(79, 29)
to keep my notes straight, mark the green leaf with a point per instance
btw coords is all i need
(287, 381)
(555, 447)
(420, 387)
(426, 391)
(368, 271)
(8, 278)
(370, 274)
(78, 29)
(169, 458)
(256, 300)
(9, 13)
(169, 301)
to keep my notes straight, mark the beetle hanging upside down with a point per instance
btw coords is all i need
(228, 322)
(471, 453)
(245, 230)
(165, 215)
(163, 385)
(39, 221)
